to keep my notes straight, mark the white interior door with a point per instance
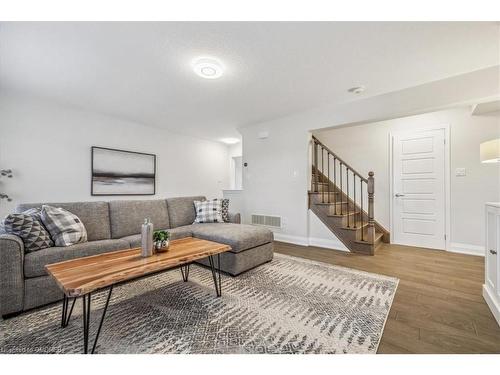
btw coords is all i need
(419, 201)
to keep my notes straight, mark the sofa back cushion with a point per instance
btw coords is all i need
(93, 215)
(127, 216)
(182, 211)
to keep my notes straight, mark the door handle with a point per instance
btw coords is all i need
(493, 252)
(399, 195)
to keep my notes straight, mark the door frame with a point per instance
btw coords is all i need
(447, 177)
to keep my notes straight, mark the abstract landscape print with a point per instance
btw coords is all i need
(119, 172)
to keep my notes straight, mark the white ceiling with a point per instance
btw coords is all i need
(141, 71)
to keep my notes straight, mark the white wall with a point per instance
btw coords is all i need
(235, 172)
(321, 236)
(234, 193)
(276, 179)
(366, 148)
(48, 148)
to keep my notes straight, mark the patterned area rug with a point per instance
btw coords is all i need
(289, 305)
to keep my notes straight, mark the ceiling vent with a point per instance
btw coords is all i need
(268, 221)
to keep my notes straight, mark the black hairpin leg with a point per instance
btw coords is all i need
(217, 280)
(86, 320)
(185, 272)
(65, 316)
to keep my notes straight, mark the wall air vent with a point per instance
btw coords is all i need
(268, 221)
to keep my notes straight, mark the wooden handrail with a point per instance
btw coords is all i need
(316, 140)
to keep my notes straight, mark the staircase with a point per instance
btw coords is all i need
(343, 200)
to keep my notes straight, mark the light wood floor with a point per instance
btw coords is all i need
(438, 307)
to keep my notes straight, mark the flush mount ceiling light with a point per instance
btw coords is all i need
(230, 141)
(207, 67)
(357, 89)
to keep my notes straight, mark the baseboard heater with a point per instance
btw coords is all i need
(266, 220)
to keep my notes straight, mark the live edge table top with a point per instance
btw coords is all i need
(78, 277)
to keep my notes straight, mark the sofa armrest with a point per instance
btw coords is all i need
(11, 274)
(234, 218)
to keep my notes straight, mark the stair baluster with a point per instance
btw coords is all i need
(328, 174)
(315, 169)
(335, 184)
(341, 191)
(347, 189)
(371, 219)
(362, 214)
(354, 206)
(322, 173)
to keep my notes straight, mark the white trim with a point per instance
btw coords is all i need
(297, 240)
(311, 241)
(447, 178)
(333, 244)
(492, 303)
(464, 248)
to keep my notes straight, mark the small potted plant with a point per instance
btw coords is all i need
(161, 239)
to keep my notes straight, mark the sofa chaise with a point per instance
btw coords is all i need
(116, 225)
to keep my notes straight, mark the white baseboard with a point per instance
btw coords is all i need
(329, 244)
(305, 241)
(492, 303)
(297, 240)
(464, 248)
(455, 247)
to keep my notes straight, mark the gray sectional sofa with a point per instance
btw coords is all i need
(115, 225)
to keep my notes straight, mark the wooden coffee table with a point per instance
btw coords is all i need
(83, 276)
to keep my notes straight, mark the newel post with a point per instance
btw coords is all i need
(371, 216)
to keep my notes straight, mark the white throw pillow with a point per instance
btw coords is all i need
(65, 228)
(208, 211)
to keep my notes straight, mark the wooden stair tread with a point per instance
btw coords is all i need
(344, 214)
(359, 225)
(331, 204)
(325, 192)
(378, 236)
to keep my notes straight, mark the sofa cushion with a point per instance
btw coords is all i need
(93, 215)
(34, 263)
(239, 236)
(127, 216)
(182, 211)
(175, 234)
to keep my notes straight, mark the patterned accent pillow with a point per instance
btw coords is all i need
(65, 228)
(225, 210)
(208, 211)
(36, 212)
(29, 229)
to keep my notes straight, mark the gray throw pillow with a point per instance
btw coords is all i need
(29, 229)
(65, 228)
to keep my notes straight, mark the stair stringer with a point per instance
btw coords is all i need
(334, 224)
